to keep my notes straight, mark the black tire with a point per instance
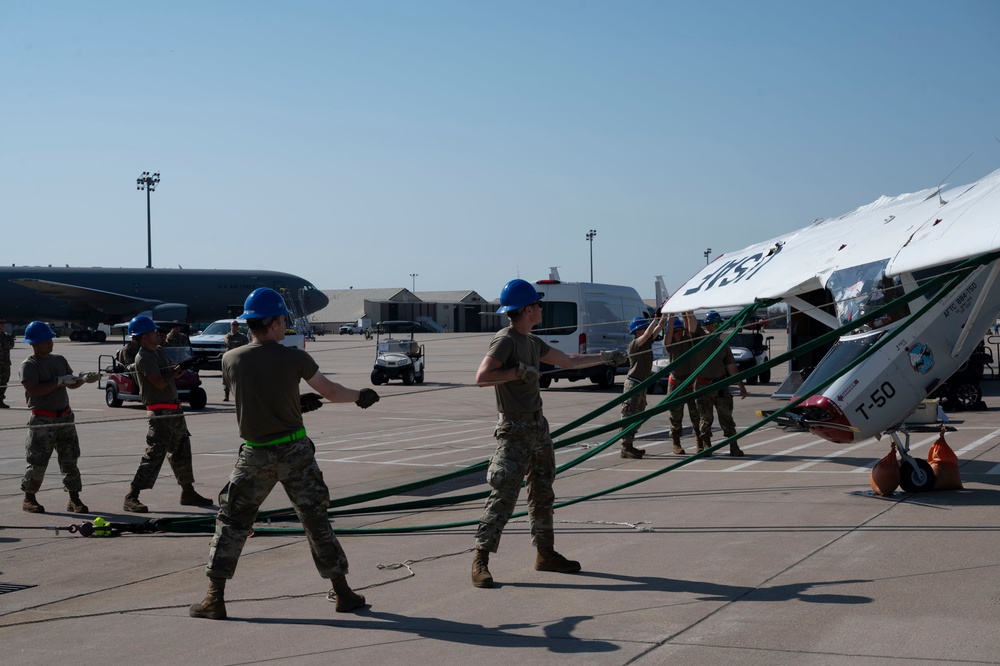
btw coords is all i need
(409, 377)
(607, 377)
(100, 336)
(197, 398)
(544, 382)
(967, 396)
(378, 377)
(765, 377)
(752, 379)
(420, 377)
(74, 336)
(111, 396)
(916, 480)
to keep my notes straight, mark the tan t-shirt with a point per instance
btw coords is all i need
(510, 348)
(265, 380)
(150, 363)
(44, 371)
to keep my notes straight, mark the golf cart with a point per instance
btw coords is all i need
(121, 384)
(398, 358)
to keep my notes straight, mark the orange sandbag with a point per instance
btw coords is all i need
(944, 462)
(884, 478)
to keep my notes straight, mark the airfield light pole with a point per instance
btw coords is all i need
(413, 276)
(590, 239)
(707, 253)
(148, 182)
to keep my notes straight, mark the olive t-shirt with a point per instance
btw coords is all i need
(44, 371)
(640, 359)
(677, 349)
(265, 380)
(150, 363)
(510, 348)
(716, 368)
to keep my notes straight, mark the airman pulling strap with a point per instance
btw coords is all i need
(294, 437)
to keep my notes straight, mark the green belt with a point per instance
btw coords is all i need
(294, 437)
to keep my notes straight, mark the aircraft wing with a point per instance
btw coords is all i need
(81, 299)
(911, 231)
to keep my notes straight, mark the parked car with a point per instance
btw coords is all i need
(350, 329)
(210, 345)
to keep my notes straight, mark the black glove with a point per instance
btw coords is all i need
(367, 398)
(310, 402)
(192, 363)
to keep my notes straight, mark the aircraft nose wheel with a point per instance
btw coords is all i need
(916, 479)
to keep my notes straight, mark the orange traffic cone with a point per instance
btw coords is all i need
(884, 478)
(944, 462)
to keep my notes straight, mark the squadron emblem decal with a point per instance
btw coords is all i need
(921, 357)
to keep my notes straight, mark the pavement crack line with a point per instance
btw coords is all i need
(670, 639)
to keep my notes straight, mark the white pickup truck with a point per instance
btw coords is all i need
(211, 343)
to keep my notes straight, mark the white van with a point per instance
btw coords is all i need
(586, 318)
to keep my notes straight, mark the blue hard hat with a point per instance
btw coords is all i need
(37, 331)
(678, 323)
(516, 294)
(713, 317)
(262, 303)
(140, 324)
(637, 323)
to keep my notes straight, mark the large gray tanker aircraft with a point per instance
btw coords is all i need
(93, 296)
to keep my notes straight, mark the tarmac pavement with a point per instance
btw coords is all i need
(782, 557)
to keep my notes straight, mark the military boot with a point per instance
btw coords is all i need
(213, 606)
(629, 451)
(132, 502)
(549, 560)
(704, 444)
(346, 598)
(31, 505)
(481, 576)
(75, 504)
(190, 497)
(677, 445)
(735, 451)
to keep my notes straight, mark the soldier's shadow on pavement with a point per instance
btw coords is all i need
(707, 591)
(558, 636)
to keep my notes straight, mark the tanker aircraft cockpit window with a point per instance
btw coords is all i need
(840, 355)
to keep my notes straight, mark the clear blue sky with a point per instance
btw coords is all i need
(355, 143)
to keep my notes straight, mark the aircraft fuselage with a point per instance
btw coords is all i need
(112, 295)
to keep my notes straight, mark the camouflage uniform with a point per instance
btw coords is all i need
(50, 426)
(640, 368)
(232, 341)
(6, 344)
(126, 355)
(524, 448)
(167, 435)
(677, 375)
(265, 378)
(721, 400)
(178, 339)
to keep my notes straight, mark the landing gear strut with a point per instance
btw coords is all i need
(915, 474)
